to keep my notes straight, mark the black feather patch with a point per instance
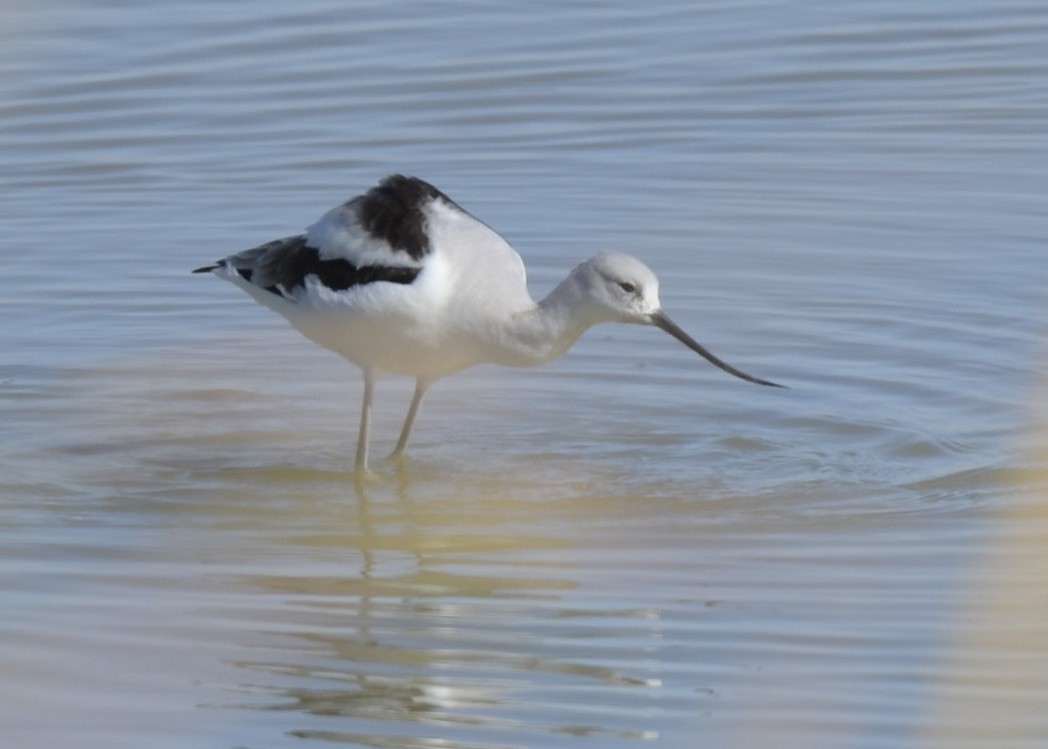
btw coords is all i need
(340, 274)
(287, 263)
(284, 264)
(393, 212)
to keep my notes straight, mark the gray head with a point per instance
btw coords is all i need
(621, 288)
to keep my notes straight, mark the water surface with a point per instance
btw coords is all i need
(624, 546)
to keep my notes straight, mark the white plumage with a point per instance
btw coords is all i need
(402, 280)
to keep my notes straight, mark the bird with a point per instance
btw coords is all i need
(401, 280)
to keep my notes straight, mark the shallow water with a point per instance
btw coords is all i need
(624, 546)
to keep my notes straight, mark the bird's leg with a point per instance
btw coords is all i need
(421, 386)
(365, 423)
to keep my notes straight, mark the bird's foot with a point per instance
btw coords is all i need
(364, 475)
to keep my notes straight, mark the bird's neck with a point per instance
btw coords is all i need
(549, 328)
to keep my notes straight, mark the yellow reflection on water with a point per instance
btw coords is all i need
(423, 612)
(548, 595)
(993, 688)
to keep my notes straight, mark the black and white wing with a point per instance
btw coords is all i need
(376, 237)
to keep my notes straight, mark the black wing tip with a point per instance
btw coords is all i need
(207, 268)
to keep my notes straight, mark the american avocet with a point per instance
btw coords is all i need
(403, 280)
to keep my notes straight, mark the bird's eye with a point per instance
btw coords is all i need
(627, 287)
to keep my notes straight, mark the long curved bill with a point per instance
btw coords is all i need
(660, 320)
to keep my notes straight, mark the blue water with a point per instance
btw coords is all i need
(624, 546)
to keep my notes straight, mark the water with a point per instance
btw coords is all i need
(626, 546)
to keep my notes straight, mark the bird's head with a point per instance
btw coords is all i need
(621, 288)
